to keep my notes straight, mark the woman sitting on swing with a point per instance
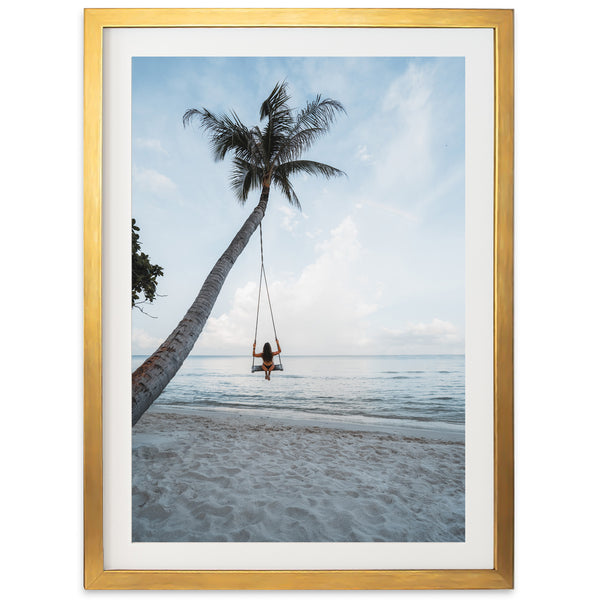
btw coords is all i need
(267, 356)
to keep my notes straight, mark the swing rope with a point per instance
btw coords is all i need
(263, 275)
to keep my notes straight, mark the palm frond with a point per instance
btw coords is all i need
(310, 167)
(274, 150)
(312, 122)
(272, 139)
(245, 177)
(319, 113)
(297, 143)
(285, 186)
(280, 120)
(276, 102)
(227, 134)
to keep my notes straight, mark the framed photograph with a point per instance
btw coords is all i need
(298, 299)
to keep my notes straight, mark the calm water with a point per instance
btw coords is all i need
(417, 391)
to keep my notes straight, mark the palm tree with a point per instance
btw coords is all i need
(262, 157)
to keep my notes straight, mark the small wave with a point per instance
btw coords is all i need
(387, 414)
(241, 404)
(443, 398)
(401, 377)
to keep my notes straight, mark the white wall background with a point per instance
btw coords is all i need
(557, 297)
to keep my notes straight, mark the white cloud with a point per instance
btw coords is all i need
(363, 154)
(411, 91)
(322, 311)
(363, 309)
(231, 331)
(342, 245)
(405, 214)
(143, 343)
(150, 144)
(438, 336)
(405, 162)
(153, 181)
(290, 217)
(325, 310)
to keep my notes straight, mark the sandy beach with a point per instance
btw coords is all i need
(232, 476)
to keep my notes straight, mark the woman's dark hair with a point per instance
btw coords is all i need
(267, 353)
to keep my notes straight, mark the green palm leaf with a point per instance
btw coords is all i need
(285, 187)
(271, 153)
(310, 123)
(245, 177)
(227, 134)
(310, 167)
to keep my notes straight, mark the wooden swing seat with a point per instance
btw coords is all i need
(257, 368)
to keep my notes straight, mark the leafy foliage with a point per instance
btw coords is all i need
(143, 273)
(271, 154)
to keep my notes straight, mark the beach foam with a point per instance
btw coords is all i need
(229, 476)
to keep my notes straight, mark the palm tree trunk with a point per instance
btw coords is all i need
(151, 378)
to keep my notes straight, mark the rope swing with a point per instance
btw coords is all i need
(263, 275)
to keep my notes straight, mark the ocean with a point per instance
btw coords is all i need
(425, 392)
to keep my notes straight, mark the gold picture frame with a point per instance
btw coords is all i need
(501, 576)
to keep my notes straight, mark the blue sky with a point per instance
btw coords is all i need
(374, 263)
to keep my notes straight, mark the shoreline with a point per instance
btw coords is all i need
(339, 422)
(447, 433)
